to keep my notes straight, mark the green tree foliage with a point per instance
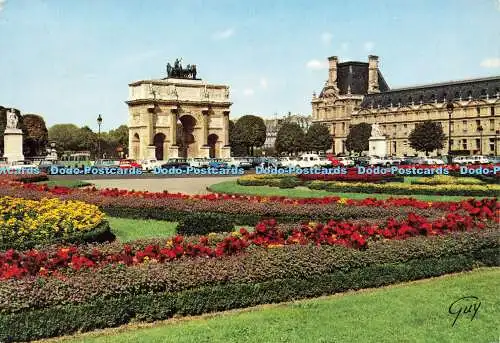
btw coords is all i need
(318, 138)
(36, 135)
(357, 139)
(87, 139)
(290, 138)
(427, 136)
(249, 131)
(66, 136)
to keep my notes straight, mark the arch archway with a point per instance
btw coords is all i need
(212, 143)
(159, 141)
(185, 135)
(136, 146)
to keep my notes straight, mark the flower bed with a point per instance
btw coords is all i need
(29, 222)
(267, 234)
(446, 180)
(407, 189)
(244, 210)
(25, 178)
(33, 308)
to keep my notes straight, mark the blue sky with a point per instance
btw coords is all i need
(70, 60)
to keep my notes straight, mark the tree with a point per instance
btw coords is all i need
(36, 135)
(87, 140)
(290, 138)
(235, 141)
(65, 136)
(357, 139)
(318, 138)
(250, 131)
(427, 136)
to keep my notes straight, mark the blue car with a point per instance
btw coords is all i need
(217, 164)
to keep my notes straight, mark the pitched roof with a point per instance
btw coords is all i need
(355, 76)
(473, 89)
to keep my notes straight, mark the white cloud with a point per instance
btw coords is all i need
(490, 63)
(326, 38)
(368, 46)
(225, 34)
(498, 4)
(317, 65)
(263, 83)
(248, 92)
(2, 2)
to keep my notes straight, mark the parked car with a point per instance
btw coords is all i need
(345, 161)
(239, 162)
(22, 165)
(198, 162)
(106, 163)
(311, 160)
(478, 159)
(150, 165)
(175, 162)
(287, 162)
(126, 164)
(46, 165)
(217, 163)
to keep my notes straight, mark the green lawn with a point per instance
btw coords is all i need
(231, 187)
(65, 183)
(127, 230)
(410, 312)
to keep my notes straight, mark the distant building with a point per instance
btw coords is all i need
(356, 92)
(274, 125)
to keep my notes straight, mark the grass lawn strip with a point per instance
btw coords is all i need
(65, 183)
(410, 312)
(231, 187)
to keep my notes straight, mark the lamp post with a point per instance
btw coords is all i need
(497, 133)
(99, 122)
(480, 129)
(449, 107)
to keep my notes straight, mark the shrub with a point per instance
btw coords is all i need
(289, 182)
(37, 308)
(446, 180)
(204, 223)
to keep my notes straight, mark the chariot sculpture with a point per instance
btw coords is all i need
(178, 72)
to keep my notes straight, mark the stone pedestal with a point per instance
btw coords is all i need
(377, 146)
(13, 145)
(204, 151)
(225, 151)
(151, 152)
(173, 151)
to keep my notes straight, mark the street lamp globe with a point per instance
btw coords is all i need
(99, 119)
(450, 107)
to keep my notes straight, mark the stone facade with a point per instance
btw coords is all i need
(274, 125)
(172, 118)
(475, 120)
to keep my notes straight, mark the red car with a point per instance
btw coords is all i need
(125, 164)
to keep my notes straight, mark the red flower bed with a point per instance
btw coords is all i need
(15, 264)
(44, 190)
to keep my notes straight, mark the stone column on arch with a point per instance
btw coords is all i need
(226, 149)
(204, 126)
(174, 148)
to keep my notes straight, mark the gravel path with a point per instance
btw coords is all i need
(194, 185)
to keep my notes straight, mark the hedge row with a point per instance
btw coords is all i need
(35, 308)
(407, 189)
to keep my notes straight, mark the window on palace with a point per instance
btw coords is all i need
(478, 123)
(478, 143)
(492, 144)
(343, 127)
(452, 142)
(478, 110)
(464, 125)
(492, 124)
(452, 127)
(464, 144)
(492, 110)
(395, 127)
(404, 125)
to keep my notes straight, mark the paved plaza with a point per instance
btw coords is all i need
(188, 185)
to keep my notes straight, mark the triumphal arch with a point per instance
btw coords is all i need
(178, 116)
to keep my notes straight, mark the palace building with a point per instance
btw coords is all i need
(178, 116)
(357, 92)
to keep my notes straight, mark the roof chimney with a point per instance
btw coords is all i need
(332, 70)
(373, 74)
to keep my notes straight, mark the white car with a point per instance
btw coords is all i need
(345, 161)
(287, 162)
(149, 165)
(310, 161)
(22, 165)
(239, 162)
(198, 162)
(471, 160)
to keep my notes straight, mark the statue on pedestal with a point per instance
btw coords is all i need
(376, 131)
(12, 119)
